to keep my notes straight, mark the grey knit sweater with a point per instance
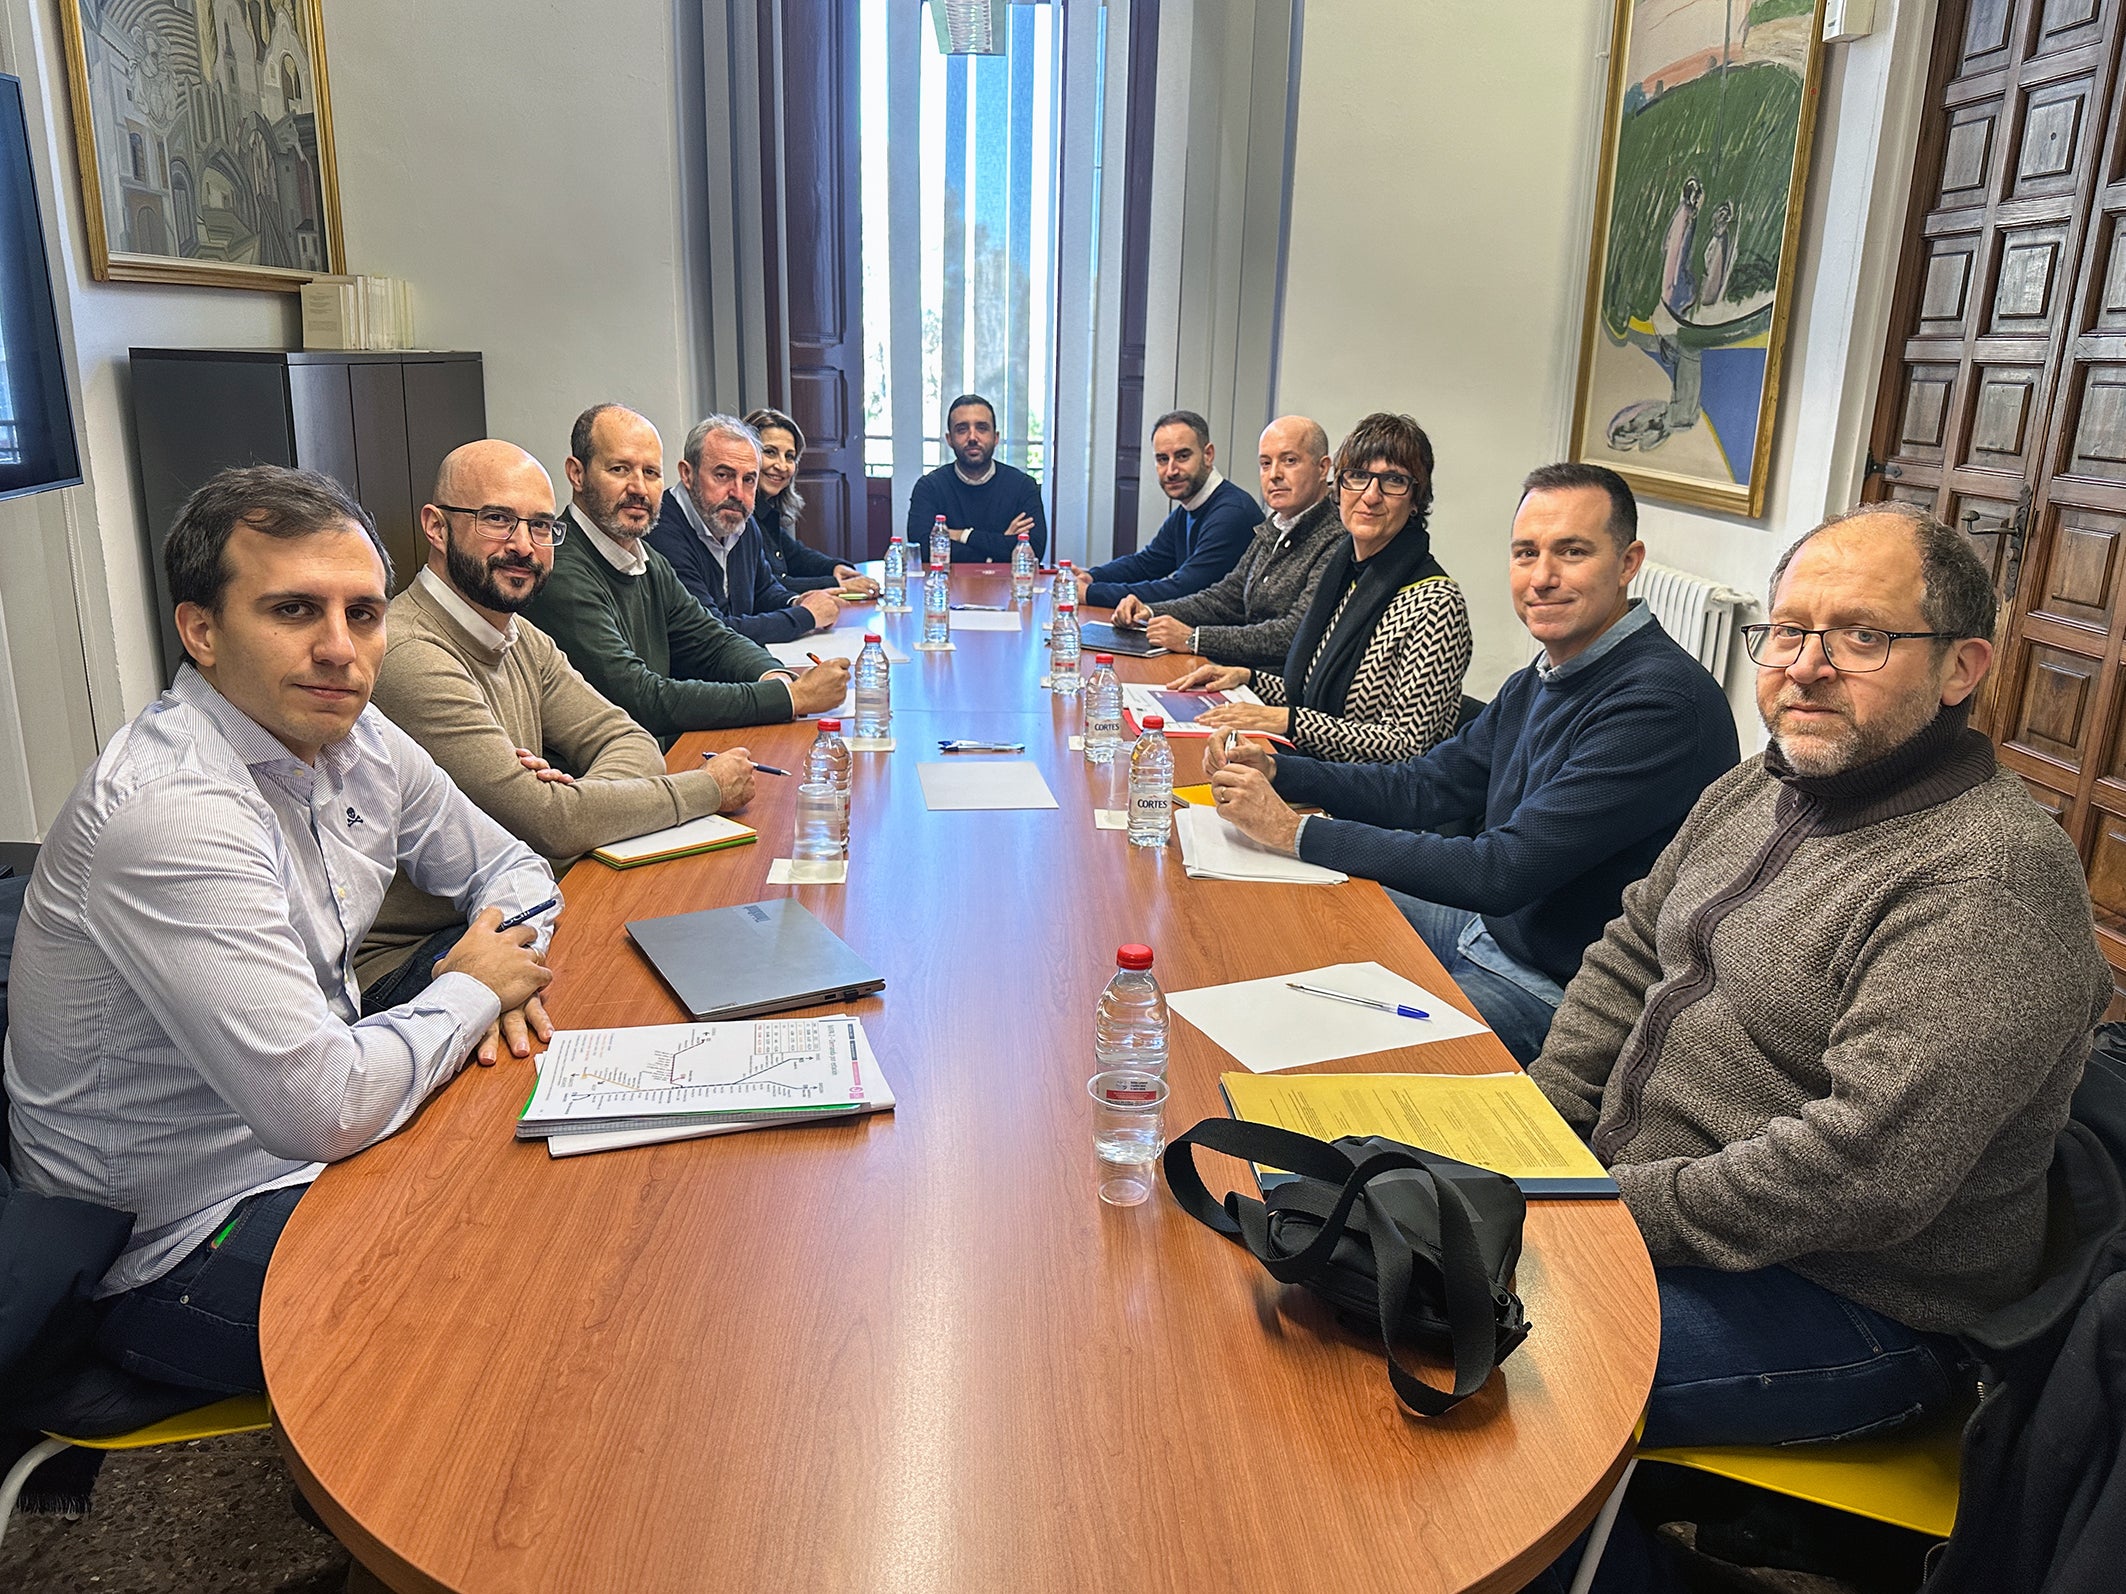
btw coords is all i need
(1837, 1027)
(1251, 613)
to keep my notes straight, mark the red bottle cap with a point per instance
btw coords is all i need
(872, 636)
(830, 725)
(1103, 658)
(1154, 722)
(1133, 957)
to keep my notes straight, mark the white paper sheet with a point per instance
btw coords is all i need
(1212, 849)
(985, 620)
(960, 783)
(843, 642)
(808, 872)
(1267, 1026)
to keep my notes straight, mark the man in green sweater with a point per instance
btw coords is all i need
(617, 609)
(503, 713)
(1827, 1045)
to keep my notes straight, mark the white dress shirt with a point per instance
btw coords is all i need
(185, 1028)
(471, 621)
(1211, 484)
(629, 562)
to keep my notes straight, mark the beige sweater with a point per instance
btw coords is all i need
(472, 708)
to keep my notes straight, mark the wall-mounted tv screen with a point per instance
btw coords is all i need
(36, 425)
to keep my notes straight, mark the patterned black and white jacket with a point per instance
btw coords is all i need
(1408, 689)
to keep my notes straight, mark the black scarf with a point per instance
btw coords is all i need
(1317, 672)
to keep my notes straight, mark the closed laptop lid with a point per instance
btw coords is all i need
(1095, 637)
(752, 958)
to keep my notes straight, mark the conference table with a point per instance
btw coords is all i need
(914, 1351)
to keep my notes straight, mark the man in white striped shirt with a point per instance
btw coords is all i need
(185, 1041)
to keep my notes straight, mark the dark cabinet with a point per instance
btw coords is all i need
(378, 423)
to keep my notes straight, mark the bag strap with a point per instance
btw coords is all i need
(1471, 1320)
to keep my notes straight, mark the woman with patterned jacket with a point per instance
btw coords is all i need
(775, 511)
(1375, 671)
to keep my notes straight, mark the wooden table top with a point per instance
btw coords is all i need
(915, 1351)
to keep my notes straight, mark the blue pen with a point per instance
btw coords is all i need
(1399, 1009)
(528, 914)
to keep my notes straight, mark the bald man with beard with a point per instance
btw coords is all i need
(499, 707)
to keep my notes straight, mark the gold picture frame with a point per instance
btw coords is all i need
(1711, 113)
(205, 136)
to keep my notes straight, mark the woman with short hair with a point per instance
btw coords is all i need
(1375, 672)
(778, 505)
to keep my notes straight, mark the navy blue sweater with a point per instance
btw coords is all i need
(742, 591)
(988, 509)
(1189, 552)
(796, 566)
(1578, 783)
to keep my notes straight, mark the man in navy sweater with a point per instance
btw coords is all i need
(706, 530)
(985, 504)
(1210, 527)
(1573, 779)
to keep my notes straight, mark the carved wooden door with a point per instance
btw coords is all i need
(2003, 406)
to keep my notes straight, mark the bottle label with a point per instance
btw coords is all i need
(1099, 727)
(1150, 807)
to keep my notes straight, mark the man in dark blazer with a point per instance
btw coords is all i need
(1209, 529)
(707, 531)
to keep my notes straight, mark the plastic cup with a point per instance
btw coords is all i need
(818, 813)
(1129, 1132)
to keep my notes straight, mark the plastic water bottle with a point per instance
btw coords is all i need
(895, 596)
(874, 689)
(937, 601)
(829, 761)
(1024, 567)
(1151, 786)
(940, 543)
(1103, 712)
(1130, 1024)
(1065, 585)
(1063, 677)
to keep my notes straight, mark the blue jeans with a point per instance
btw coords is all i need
(1518, 1002)
(197, 1325)
(1766, 1358)
(413, 976)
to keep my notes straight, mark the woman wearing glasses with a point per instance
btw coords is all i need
(778, 505)
(1375, 671)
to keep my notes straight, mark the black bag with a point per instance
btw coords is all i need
(1414, 1244)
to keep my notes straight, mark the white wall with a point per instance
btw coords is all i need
(519, 165)
(1443, 200)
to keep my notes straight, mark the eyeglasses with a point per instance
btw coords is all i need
(1393, 483)
(498, 524)
(1854, 649)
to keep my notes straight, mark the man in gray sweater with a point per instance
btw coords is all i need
(1827, 1045)
(1251, 613)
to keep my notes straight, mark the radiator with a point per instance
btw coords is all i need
(1698, 613)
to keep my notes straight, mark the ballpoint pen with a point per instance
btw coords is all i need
(764, 769)
(993, 608)
(981, 747)
(1400, 1009)
(528, 914)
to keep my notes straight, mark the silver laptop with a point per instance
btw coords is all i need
(755, 958)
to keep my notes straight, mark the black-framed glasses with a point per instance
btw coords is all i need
(498, 523)
(1853, 649)
(1393, 483)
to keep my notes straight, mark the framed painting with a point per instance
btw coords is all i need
(205, 134)
(1705, 155)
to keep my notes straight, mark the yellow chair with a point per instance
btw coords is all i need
(238, 1414)
(1908, 1479)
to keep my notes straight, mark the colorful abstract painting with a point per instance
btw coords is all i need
(1705, 154)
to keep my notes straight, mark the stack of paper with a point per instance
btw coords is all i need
(667, 1078)
(1267, 1025)
(1211, 849)
(1178, 709)
(706, 834)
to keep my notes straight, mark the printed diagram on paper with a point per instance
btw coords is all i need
(664, 1068)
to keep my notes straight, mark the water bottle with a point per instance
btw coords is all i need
(1130, 1024)
(1103, 712)
(937, 600)
(1151, 786)
(874, 689)
(940, 543)
(1065, 585)
(895, 596)
(1063, 677)
(829, 761)
(1024, 567)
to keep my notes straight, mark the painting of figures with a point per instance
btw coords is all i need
(1698, 212)
(205, 132)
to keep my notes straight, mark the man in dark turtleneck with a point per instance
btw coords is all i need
(1827, 1045)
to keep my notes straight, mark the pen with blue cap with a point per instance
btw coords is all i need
(1399, 1009)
